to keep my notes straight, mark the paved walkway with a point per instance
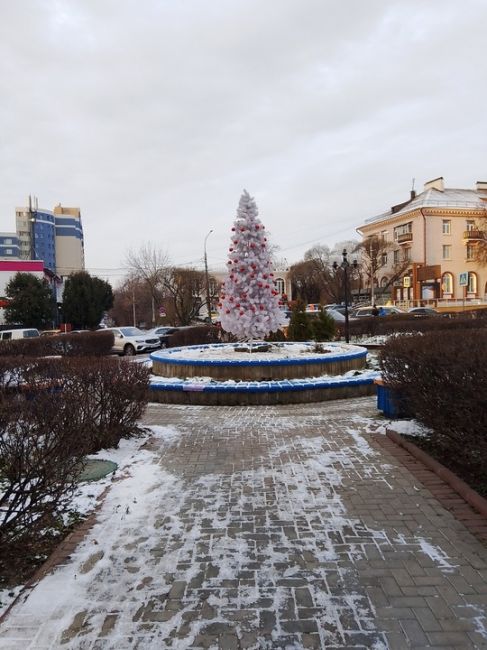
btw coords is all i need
(265, 527)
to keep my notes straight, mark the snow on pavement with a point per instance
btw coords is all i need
(280, 552)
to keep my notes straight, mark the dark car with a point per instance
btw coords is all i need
(163, 333)
(423, 311)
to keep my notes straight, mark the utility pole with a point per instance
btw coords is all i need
(133, 307)
(207, 280)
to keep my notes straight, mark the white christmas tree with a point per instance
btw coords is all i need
(249, 305)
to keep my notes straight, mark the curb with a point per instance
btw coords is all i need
(472, 497)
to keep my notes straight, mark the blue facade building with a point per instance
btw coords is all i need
(43, 238)
(56, 237)
(9, 245)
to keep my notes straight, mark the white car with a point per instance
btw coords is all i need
(384, 310)
(337, 316)
(131, 340)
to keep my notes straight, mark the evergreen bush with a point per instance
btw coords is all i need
(299, 324)
(323, 327)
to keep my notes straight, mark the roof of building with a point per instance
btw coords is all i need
(433, 198)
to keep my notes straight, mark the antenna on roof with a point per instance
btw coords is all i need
(413, 192)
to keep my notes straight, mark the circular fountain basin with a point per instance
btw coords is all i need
(290, 373)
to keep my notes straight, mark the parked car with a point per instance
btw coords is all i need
(131, 340)
(163, 333)
(50, 332)
(423, 311)
(337, 316)
(24, 333)
(384, 310)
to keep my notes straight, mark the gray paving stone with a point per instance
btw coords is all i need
(295, 530)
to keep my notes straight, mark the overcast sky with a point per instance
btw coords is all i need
(153, 115)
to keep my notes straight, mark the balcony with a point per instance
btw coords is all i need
(473, 235)
(405, 238)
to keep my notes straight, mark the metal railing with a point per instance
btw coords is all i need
(404, 237)
(474, 234)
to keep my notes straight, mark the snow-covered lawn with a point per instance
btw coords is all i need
(280, 351)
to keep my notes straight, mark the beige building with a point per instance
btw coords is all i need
(70, 253)
(431, 240)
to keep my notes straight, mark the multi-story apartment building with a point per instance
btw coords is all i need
(9, 246)
(56, 237)
(36, 235)
(431, 240)
(70, 252)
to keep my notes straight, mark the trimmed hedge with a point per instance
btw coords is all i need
(74, 345)
(442, 376)
(195, 335)
(397, 323)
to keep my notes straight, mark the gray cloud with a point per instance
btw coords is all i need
(153, 116)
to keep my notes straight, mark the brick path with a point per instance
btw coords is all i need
(281, 527)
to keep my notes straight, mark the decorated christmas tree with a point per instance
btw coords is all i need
(249, 304)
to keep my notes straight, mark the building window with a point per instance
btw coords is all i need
(447, 283)
(384, 259)
(279, 284)
(447, 226)
(407, 254)
(8, 251)
(383, 235)
(470, 225)
(446, 252)
(472, 283)
(396, 258)
(470, 252)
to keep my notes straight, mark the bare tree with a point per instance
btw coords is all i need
(331, 283)
(132, 302)
(373, 257)
(374, 251)
(307, 284)
(183, 290)
(481, 245)
(151, 265)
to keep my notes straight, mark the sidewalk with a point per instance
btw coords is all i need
(264, 527)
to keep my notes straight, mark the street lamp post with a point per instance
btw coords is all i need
(345, 265)
(207, 280)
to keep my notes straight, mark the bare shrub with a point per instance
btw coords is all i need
(53, 411)
(443, 377)
(40, 460)
(112, 396)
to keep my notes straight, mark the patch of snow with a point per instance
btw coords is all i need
(409, 427)
(280, 351)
